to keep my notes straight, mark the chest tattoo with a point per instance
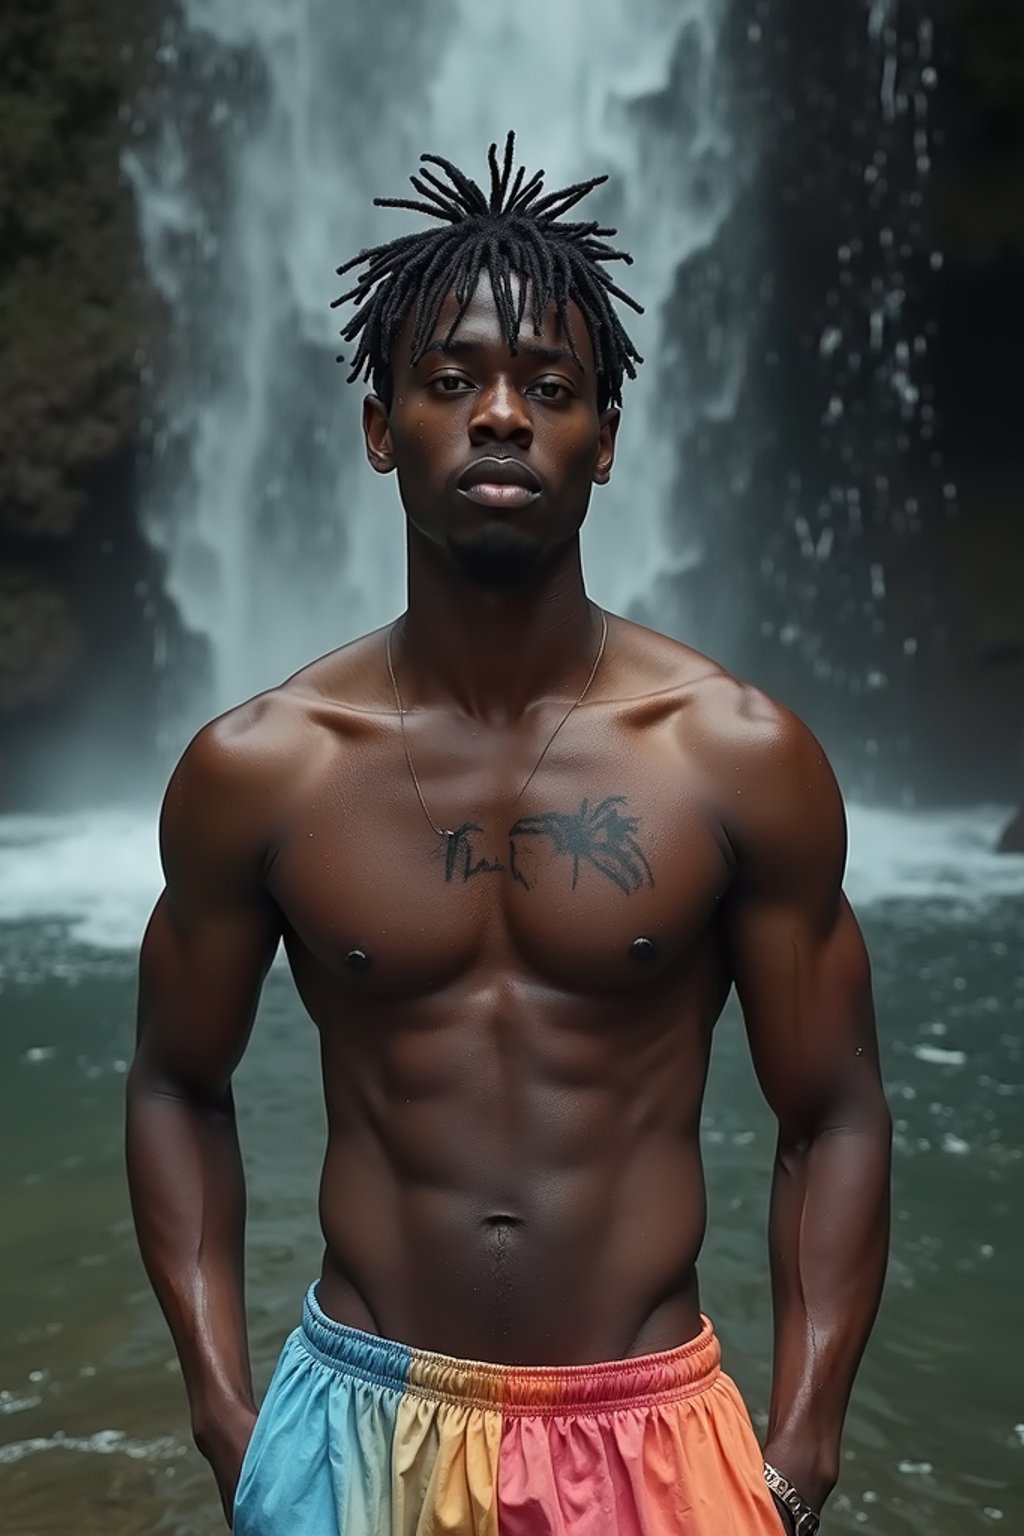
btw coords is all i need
(600, 835)
(460, 861)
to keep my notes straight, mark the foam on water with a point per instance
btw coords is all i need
(945, 857)
(105, 1442)
(98, 871)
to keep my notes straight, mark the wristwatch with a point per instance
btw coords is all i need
(806, 1522)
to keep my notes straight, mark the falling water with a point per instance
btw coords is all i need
(277, 124)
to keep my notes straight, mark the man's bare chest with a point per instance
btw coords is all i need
(606, 872)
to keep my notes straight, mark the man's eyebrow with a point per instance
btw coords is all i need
(458, 347)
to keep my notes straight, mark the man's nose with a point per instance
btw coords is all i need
(501, 412)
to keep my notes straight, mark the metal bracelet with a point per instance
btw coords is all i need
(806, 1519)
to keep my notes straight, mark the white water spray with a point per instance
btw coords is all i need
(282, 121)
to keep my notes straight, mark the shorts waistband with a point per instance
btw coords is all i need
(636, 1382)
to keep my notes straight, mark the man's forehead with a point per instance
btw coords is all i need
(465, 341)
(481, 326)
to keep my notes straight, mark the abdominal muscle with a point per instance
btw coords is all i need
(525, 1193)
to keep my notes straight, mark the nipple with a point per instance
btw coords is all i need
(643, 949)
(357, 960)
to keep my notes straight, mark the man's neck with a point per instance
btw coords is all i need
(492, 652)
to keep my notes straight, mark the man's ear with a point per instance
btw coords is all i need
(606, 445)
(377, 432)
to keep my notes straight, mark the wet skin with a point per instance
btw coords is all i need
(515, 1021)
(512, 1091)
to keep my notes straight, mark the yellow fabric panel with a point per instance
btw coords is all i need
(444, 1469)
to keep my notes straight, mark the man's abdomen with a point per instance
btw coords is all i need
(545, 1265)
(513, 1172)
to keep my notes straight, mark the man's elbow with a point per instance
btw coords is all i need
(859, 1109)
(151, 1078)
(864, 1124)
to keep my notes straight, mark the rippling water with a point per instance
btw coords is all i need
(93, 1428)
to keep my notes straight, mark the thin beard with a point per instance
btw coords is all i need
(496, 562)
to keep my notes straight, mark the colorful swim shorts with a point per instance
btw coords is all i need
(358, 1436)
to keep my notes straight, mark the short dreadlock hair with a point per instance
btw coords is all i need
(515, 230)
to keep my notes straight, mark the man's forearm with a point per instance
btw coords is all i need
(188, 1199)
(829, 1238)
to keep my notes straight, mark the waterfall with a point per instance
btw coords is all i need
(277, 121)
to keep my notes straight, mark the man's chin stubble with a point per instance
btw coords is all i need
(496, 557)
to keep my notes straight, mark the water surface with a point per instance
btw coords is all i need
(93, 1425)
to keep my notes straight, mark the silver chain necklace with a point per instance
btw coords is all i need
(447, 831)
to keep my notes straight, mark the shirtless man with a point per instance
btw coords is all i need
(518, 852)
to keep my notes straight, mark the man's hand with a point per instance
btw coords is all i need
(784, 1515)
(223, 1440)
(800, 1474)
(802, 1471)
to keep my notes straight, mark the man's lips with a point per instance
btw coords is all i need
(493, 482)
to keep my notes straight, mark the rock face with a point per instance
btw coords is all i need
(72, 306)
(75, 313)
(873, 549)
(979, 224)
(39, 642)
(1012, 838)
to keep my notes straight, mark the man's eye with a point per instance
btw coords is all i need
(451, 383)
(551, 389)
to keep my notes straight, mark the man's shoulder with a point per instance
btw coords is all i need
(352, 679)
(227, 791)
(278, 733)
(752, 732)
(729, 715)
(767, 776)
(246, 747)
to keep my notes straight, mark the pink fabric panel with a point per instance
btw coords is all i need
(685, 1467)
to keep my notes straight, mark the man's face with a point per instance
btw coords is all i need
(496, 453)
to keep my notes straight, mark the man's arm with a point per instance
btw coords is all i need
(208, 946)
(803, 979)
